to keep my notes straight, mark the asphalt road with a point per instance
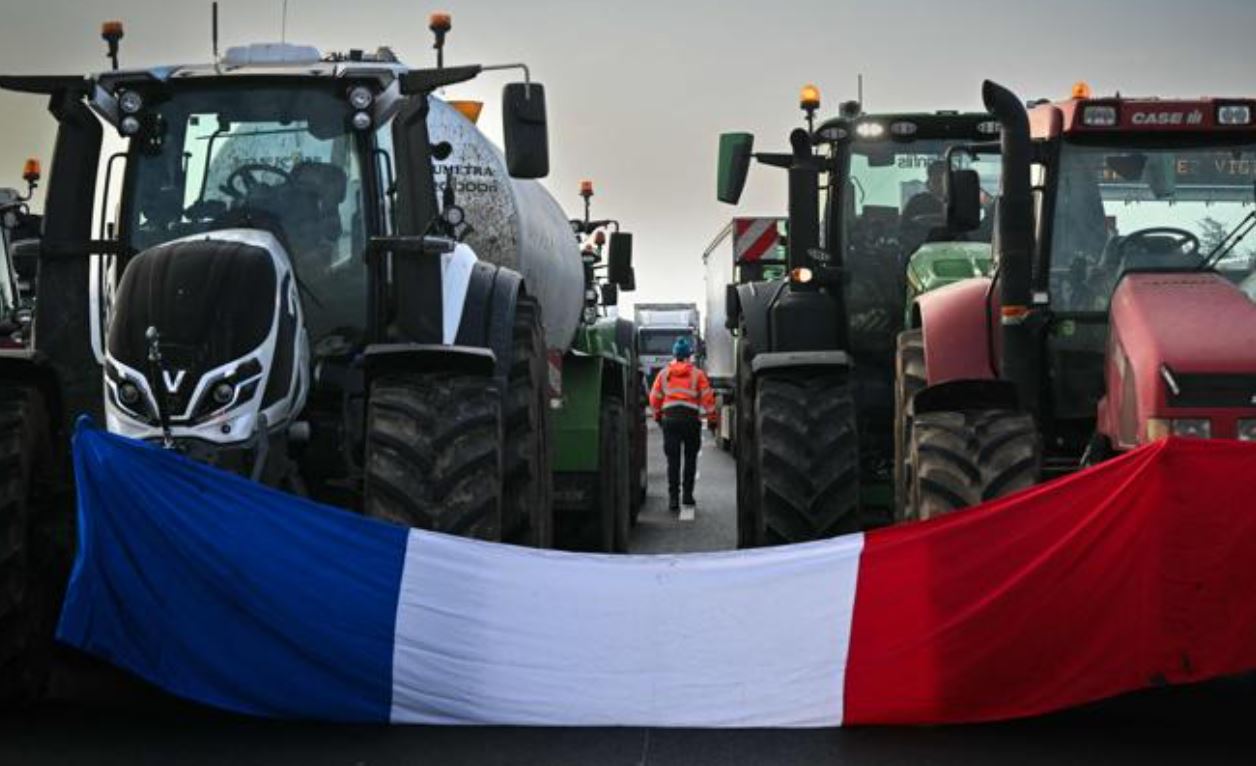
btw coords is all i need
(114, 722)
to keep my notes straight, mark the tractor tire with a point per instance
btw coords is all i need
(24, 445)
(528, 502)
(434, 453)
(806, 448)
(639, 429)
(747, 491)
(623, 479)
(960, 459)
(603, 528)
(909, 377)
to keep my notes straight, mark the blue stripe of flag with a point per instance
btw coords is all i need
(270, 605)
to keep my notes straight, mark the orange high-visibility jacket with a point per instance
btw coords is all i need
(680, 384)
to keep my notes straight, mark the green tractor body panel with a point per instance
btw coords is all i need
(937, 264)
(585, 367)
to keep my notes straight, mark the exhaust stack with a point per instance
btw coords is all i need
(1013, 252)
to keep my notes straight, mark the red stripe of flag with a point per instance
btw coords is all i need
(1134, 574)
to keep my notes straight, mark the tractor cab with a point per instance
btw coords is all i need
(888, 204)
(1142, 211)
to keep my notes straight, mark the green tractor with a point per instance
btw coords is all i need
(599, 422)
(816, 348)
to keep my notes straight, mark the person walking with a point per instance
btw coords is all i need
(681, 397)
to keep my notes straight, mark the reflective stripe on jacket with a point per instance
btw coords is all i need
(680, 385)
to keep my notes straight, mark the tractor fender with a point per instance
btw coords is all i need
(386, 358)
(965, 395)
(955, 327)
(488, 311)
(755, 301)
(799, 359)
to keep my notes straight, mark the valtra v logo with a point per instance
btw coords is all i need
(173, 382)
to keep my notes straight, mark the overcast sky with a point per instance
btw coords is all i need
(639, 90)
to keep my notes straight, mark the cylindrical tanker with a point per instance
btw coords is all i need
(514, 223)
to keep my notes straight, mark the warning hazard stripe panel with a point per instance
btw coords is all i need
(235, 595)
(754, 238)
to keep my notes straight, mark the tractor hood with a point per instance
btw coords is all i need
(1184, 345)
(1191, 322)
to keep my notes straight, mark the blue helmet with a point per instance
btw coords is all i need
(682, 348)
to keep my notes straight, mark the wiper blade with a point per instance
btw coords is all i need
(1230, 241)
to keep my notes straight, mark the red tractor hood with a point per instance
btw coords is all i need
(1183, 345)
(1192, 322)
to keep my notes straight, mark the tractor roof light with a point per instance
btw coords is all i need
(1081, 90)
(989, 127)
(469, 109)
(831, 133)
(903, 128)
(586, 188)
(31, 170)
(809, 98)
(870, 130)
(440, 22)
(1234, 114)
(599, 238)
(1099, 115)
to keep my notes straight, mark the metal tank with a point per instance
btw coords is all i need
(514, 223)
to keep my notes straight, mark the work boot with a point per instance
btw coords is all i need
(689, 499)
(673, 504)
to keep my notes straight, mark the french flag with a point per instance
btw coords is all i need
(225, 592)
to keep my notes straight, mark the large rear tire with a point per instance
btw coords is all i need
(806, 447)
(24, 446)
(909, 377)
(434, 453)
(960, 459)
(527, 505)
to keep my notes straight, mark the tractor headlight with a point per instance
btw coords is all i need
(222, 392)
(1234, 114)
(1187, 428)
(129, 126)
(360, 97)
(1246, 430)
(870, 130)
(130, 102)
(128, 393)
(361, 121)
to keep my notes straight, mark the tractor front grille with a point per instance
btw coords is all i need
(1213, 390)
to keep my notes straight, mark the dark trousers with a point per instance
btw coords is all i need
(681, 434)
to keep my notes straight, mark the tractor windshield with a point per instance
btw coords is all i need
(1120, 208)
(897, 192)
(283, 159)
(660, 342)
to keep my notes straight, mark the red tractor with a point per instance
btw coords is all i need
(1120, 311)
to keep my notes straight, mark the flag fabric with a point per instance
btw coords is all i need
(1135, 573)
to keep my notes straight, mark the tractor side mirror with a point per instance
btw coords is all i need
(25, 253)
(734, 166)
(525, 130)
(619, 259)
(610, 294)
(963, 200)
(732, 307)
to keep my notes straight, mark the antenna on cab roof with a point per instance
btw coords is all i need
(213, 32)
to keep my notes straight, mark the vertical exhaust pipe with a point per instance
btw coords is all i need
(1014, 245)
(804, 201)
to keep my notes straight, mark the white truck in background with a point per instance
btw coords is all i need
(745, 250)
(658, 327)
